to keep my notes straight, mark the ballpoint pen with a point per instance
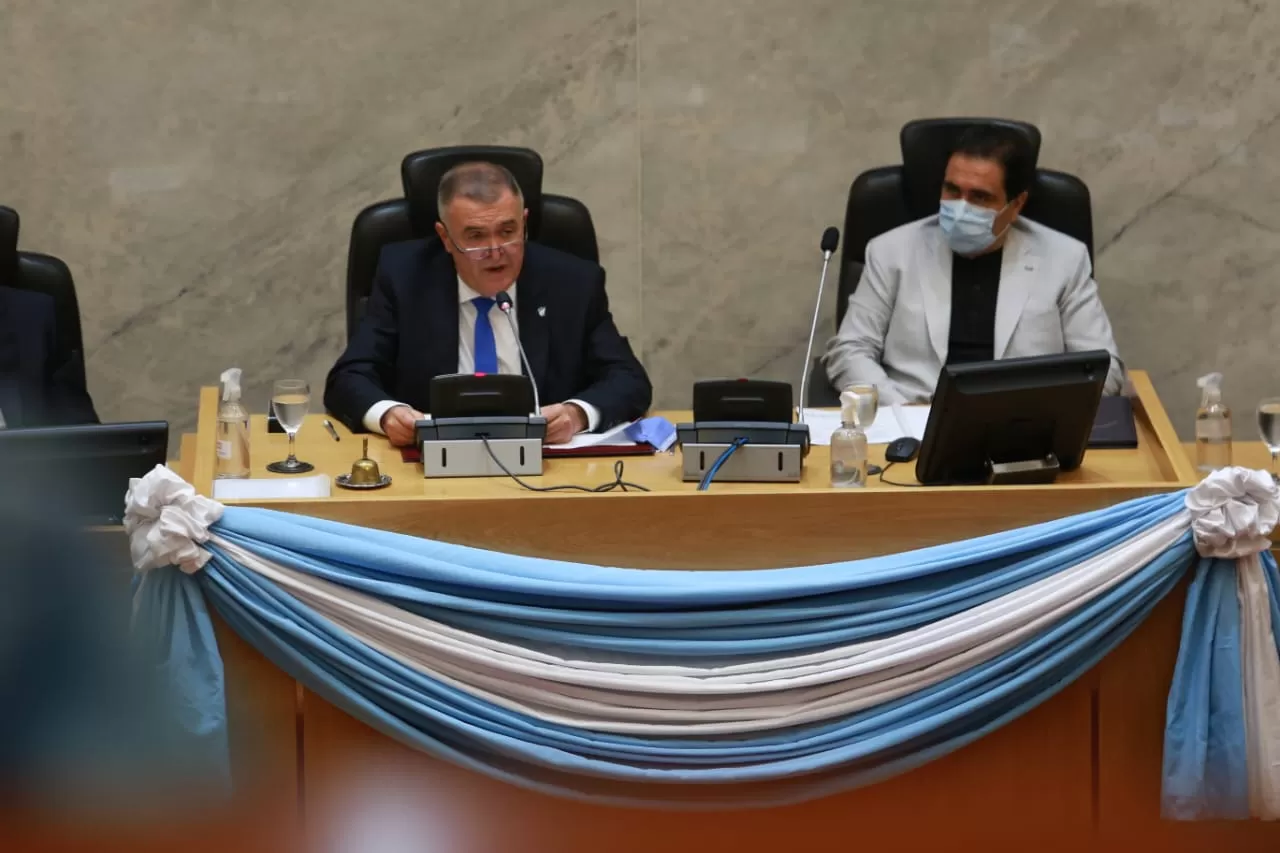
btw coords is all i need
(328, 424)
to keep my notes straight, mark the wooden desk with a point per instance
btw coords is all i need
(1157, 462)
(185, 464)
(755, 525)
(1049, 779)
(1250, 454)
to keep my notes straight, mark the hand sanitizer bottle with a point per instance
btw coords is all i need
(1213, 426)
(233, 431)
(848, 446)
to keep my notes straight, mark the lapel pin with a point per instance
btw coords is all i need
(542, 310)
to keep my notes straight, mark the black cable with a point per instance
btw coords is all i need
(618, 482)
(885, 469)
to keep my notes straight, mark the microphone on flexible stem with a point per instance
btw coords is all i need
(505, 305)
(830, 239)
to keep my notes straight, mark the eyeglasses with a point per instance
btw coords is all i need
(480, 253)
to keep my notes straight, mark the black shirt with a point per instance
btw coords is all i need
(975, 284)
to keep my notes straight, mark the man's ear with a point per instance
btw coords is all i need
(1020, 202)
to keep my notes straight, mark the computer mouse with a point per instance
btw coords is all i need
(902, 449)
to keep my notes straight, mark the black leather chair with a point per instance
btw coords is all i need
(883, 198)
(45, 274)
(554, 220)
(9, 223)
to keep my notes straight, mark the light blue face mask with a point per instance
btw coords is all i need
(659, 432)
(968, 228)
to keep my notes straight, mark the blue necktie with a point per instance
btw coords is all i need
(486, 346)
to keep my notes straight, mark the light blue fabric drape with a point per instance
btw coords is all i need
(1273, 587)
(684, 613)
(1205, 757)
(173, 622)
(695, 618)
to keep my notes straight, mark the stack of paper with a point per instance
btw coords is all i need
(615, 437)
(316, 486)
(892, 422)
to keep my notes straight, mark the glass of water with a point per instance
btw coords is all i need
(290, 400)
(1269, 427)
(866, 405)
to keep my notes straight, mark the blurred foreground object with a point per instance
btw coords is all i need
(88, 756)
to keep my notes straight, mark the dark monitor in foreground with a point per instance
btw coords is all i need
(1016, 420)
(86, 469)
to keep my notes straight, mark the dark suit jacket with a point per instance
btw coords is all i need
(35, 389)
(409, 335)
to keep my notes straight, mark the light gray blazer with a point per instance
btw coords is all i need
(898, 323)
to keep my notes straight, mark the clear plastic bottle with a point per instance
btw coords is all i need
(1213, 426)
(848, 447)
(233, 431)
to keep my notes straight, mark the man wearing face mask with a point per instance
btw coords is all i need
(974, 283)
(433, 312)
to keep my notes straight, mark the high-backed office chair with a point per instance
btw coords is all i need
(45, 274)
(883, 198)
(554, 220)
(8, 244)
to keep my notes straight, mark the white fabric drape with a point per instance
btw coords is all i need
(167, 522)
(1233, 511)
(1260, 667)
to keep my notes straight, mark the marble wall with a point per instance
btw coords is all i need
(198, 162)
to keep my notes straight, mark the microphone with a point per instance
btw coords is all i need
(830, 239)
(505, 305)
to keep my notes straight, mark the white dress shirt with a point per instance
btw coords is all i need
(504, 337)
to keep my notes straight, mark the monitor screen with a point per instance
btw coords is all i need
(1013, 410)
(86, 468)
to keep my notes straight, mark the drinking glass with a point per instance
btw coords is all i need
(290, 400)
(866, 405)
(1269, 427)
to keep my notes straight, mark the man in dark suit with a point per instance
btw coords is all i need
(432, 312)
(36, 389)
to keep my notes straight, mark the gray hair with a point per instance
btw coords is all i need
(477, 181)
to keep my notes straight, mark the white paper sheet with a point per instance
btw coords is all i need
(892, 422)
(613, 437)
(316, 486)
(913, 420)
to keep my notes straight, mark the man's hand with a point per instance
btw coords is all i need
(564, 421)
(397, 423)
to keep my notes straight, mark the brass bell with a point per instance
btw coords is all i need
(364, 471)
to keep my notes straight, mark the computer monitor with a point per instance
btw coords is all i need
(1015, 419)
(85, 468)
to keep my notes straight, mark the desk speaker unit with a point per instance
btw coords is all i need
(753, 413)
(480, 426)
